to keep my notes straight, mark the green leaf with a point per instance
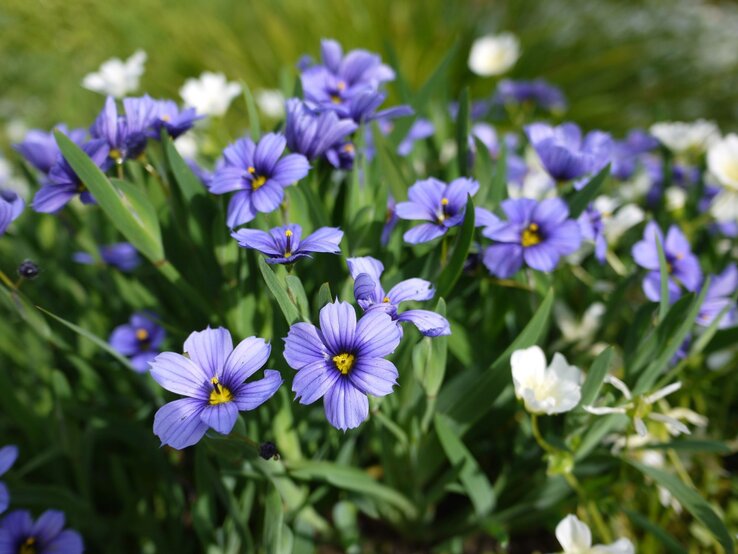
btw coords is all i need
(278, 291)
(475, 483)
(582, 198)
(595, 376)
(252, 112)
(324, 295)
(120, 212)
(692, 501)
(436, 368)
(297, 295)
(692, 445)
(664, 538)
(498, 191)
(476, 398)
(431, 88)
(90, 336)
(389, 166)
(351, 479)
(273, 521)
(664, 281)
(451, 273)
(189, 185)
(462, 133)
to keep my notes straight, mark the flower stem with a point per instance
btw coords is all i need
(593, 512)
(444, 251)
(537, 434)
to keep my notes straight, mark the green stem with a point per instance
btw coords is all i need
(595, 517)
(444, 251)
(538, 436)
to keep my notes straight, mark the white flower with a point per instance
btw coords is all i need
(537, 184)
(724, 206)
(210, 94)
(579, 331)
(722, 161)
(186, 145)
(617, 218)
(676, 198)
(117, 77)
(545, 390)
(642, 407)
(494, 54)
(575, 538)
(271, 103)
(680, 137)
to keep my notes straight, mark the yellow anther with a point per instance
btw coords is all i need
(288, 233)
(219, 394)
(530, 236)
(142, 334)
(348, 148)
(335, 99)
(341, 85)
(115, 154)
(251, 169)
(444, 201)
(257, 183)
(344, 362)
(386, 300)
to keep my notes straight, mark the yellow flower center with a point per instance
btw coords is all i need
(219, 394)
(444, 201)
(142, 334)
(165, 118)
(530, 236)
(28, 546)
(251, 169)
(115, 154)
(341, 85)
(344, 362)
(258, 182)
(335, 99)
(386, 300)
(348, 148)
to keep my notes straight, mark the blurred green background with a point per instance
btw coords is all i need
(620, 63)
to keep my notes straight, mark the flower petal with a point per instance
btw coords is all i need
(220, 417)
(268, 151)
(257, 240)
(430, 324)
(573, 535)
(178, 423)
(375, 376)
(246, 359)
(376, 335)
(346, 407)
(290, 169)
(4, 499)
(8, 455)
(304, 345)
(411, 289)
(48, 525)
(325, 239)
(252, 395)
(365, 264)
(503, 260)
(180, 375)
(424, 233)
(314, 380)
(209, 349)
(240, 209)
(338, 325)
(68, 542)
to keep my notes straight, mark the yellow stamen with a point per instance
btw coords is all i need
(142, 335)
(444, 201)
(341, 85)
(257, 183)
(251, 169)
(344, 362)
(336, 99)
(530, 236)
(219, 394)
(28, 546)
(115, 154)
(165, 118)
(348, 148)
(288, 233)
(386, 300)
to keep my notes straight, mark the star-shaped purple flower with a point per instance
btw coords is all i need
(442, 205)
(39, 148)
(313, 133)
(593, 229)
(257, 175)
(285, 245)
(20, 534)
(139, 340)
(8, 455)
(563, 152)
(126, 134)
(122, 255)
(536, 234)
(538, 92)
(343, 361)
(719, 297)
(165, 114)
(682, 265)
(370, 295)
(63, 184)
(211, 376)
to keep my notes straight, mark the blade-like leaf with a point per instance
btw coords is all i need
(595, 376)
(581, 198)
(278, 291)
(451, 273)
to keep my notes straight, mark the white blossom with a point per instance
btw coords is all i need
(270, 102)
(494, 54)
(575, 537)
(117, 77)
(545, 390)
(681, 138)
(210, 94)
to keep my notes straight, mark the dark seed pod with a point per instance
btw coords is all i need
(268, 450)
(28, 269)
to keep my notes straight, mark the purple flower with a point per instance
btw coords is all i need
(139, 340)
(312, 133)
(370, 295)
(127, 133)
(122, 255)
(420, 129)
(563, 152)
(212, 376)
(205, 176)
(341, 156)
(343, 361)
(516, 166)
(11, 206)
(625, 153)
(593, 229)
(283, 245)
(257, 175)
(390, 220)
(718, 297)
(39, 148)
(535, 233)
(165, 114)
(340, 78)
(682, 265)
(19, 534)
(442, 205)
(8, 455)
(538, 92)
(63, 184)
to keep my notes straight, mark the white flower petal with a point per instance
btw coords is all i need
(573, 535)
